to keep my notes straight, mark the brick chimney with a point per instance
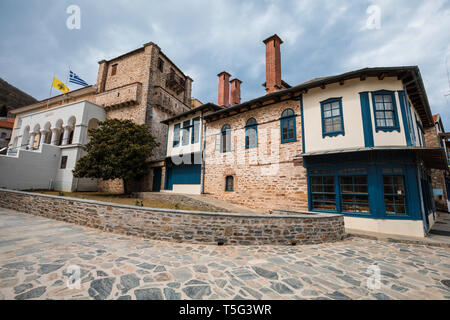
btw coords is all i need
(273, 63)
(224, 89)
(235, 91)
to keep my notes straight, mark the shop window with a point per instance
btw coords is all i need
(323, 193)
(354, 194)
(394, 194)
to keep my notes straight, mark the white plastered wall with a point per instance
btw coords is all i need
(351, 110)
(411, 228)
(187, 149)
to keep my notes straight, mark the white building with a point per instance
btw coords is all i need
(185, 145)
(46, 146)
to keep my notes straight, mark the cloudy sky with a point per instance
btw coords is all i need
(205, 37)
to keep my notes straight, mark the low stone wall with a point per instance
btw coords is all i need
(178, 225)
(181, 199)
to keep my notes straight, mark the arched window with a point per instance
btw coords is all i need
(229, 184)
(287, 125)
(251, 133)
(225, 138)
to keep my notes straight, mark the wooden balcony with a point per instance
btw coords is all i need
(175, 82)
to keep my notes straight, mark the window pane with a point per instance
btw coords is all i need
(387, 98)
(378, 98)
(361, 188)
(346, 180)
(328, 180)
(287, 113)
(346, 188)
(394, 194)
(291, 129)
(381, 123)
(379, 106)
(316, 180)
(360, 179)
(387, 180)
(321, 200)
(336, 112)
(389, 115)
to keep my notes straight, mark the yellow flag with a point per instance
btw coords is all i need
(59, 85)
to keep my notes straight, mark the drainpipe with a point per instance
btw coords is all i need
(203, 147)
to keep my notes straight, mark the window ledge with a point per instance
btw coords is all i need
(387, 129)
(287, 141)
(333, 134)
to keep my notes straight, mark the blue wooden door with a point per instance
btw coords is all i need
(156, 180)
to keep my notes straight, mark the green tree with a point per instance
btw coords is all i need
(3, 111)
(118, 149)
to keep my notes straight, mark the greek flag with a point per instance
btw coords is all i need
(77, 80)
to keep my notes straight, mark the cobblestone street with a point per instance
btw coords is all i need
(35, 254)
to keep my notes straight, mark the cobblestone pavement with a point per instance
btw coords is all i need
(35, 254)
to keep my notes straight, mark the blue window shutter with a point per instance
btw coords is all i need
(366, 119)
(401, 98)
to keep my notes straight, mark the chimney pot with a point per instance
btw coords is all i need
(235, 91)
(273, 63)
(224, 89)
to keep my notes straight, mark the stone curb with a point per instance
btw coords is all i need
(393, 240)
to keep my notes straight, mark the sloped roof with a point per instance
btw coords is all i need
(409, 75)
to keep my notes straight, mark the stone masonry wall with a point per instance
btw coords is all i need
(138, 79)
(437, 176)
(266, 177)
(181, 226)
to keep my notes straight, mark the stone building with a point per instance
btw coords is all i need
(143, 85)
(354, 144)
(436, 137)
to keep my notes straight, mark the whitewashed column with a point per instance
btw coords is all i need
(43, 136)
(31, 141)
(67, 130)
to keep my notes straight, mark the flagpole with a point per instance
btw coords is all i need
(67, 83)
(51, 87)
